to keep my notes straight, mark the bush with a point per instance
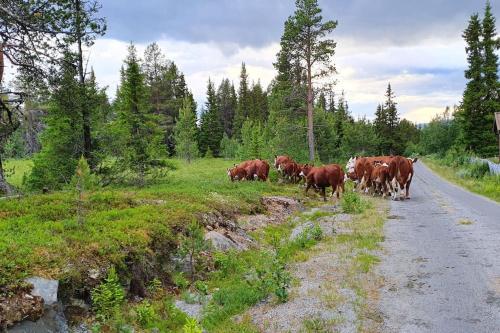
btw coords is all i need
(476, 170)
(145, 313)
(191, 326)
(352, 203)
(108, 297)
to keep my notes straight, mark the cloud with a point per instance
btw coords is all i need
(260, 22)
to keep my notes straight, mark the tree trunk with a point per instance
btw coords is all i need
(87, 139)
(1, 63)
(5, 188)
(310, 115)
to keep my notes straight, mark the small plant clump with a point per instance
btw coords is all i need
(108, 297)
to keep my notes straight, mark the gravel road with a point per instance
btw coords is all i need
(441, 262)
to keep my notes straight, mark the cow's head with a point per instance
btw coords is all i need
(351, 164)
(305, 169)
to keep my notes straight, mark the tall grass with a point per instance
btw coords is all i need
(472, 176)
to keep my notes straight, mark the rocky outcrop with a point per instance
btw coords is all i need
(18, 305)
(278, 209)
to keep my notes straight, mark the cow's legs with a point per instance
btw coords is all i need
(323, 192)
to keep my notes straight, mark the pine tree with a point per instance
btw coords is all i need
(140, 128)
(386, 124)
(185, 132)
(211, 130)
(306, 44)
(243, 109)
(470, 116)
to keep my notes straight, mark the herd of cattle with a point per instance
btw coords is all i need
(382, 175)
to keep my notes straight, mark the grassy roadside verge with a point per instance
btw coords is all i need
(488, 186)
(345, 260)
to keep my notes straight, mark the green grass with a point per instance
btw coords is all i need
(39, 234)
(16, 169)
(488, 186)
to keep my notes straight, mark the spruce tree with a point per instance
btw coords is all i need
(258, 104)
(211, 130)
(227, 102)
(491, 86)
(62, 140)
(243, 109)
(470, 116)
(185, 132)
(141, 133)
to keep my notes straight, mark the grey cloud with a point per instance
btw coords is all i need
(260, 22)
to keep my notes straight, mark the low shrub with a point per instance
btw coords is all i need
(108, 297)
(352, 203)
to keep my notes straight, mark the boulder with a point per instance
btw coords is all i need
(301, 229)
(221, 242)
(47, 289)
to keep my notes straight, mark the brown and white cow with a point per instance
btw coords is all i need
(401, 174)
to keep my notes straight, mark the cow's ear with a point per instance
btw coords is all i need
(415, 160)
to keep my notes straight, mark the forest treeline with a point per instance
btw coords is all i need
(154, 115)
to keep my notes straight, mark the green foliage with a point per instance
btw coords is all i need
(229, 147)
(305, 43)
(62, 140)
(227, 103)
(108, 297)
(387, 126)
(137, 132)
(180, 281)
(191, 326)
(211, 130)
(281, 280)
(352, 203)
(167, 91)
(191, 247)
(252, 141)
(439, 135)
(360, 139)
(185, 133)
(244, 103)
(480, 98)
(15, 145)
(146, 314)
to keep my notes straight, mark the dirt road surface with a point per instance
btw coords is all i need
(442, 260)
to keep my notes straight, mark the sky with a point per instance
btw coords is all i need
(414, 45)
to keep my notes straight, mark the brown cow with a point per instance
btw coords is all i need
(250, 170)
(279, 160)
(291, 170)
(323, 177)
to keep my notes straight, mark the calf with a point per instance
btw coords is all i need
(236, 173)
(380, 179)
